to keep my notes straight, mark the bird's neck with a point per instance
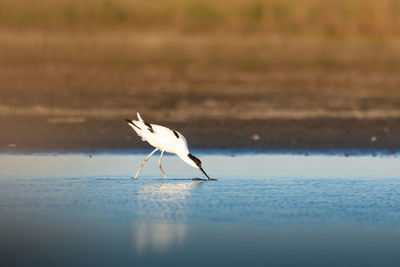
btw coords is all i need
(186, 159)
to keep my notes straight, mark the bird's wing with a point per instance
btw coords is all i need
(168, 140)
(159, 136)
(139, 117)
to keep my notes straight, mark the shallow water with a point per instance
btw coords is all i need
(277, 210)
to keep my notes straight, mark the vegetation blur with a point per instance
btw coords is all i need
(270, 54)
(329, 18)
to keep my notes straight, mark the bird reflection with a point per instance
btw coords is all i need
(167, 191)
(164, 202)
(158, 238)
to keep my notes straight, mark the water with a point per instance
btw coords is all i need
(275, 210)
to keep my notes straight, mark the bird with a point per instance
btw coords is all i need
(165, 140)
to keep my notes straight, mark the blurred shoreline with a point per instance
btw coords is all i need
(71, 92)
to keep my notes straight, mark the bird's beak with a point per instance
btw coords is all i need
(201, 169)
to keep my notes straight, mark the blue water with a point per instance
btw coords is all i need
(264, 210)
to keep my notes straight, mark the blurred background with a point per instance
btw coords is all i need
(266, 74)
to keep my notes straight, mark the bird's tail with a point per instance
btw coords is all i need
(136, 123)
(132, 124)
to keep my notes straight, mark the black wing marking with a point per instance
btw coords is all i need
(149, 127)
(131, 122)
(176, 134)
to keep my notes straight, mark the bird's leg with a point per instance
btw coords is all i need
(144, 161)
(159, 164)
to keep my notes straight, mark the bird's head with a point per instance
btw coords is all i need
(196, 163)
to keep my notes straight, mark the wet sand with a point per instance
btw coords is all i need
(47, 134)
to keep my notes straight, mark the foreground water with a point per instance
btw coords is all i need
(275, 210)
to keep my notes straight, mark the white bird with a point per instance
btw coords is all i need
(165, 140)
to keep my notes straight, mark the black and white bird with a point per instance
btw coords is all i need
(165, 140)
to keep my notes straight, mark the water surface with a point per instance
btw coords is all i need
(276, 210)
